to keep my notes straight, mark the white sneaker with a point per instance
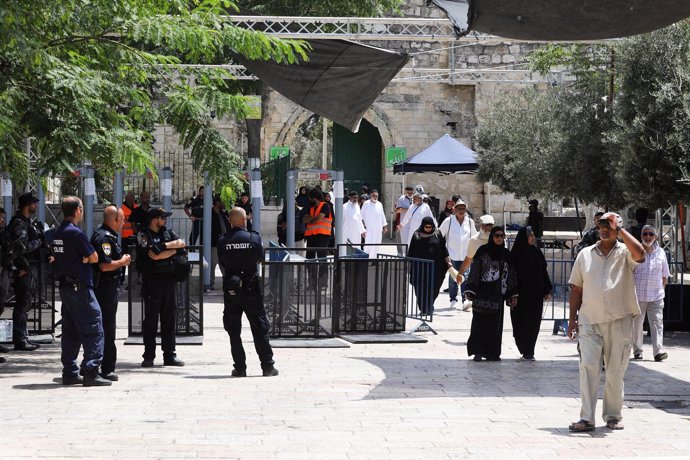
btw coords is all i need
(452, 304)
(466, 305)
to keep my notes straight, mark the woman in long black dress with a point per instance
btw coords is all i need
(534, 286)
(491, 283)
(428, 243)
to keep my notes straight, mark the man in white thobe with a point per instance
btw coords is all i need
(413, 218)
(375, 223)
(353, 228)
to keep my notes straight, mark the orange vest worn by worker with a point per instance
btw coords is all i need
(321, 227)
(128, 228)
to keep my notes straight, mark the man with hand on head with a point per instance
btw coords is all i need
(603, 304)
(107, 276)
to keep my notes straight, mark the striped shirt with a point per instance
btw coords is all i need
(649, 276)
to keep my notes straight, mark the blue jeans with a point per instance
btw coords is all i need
(452, 285)
(82, 325)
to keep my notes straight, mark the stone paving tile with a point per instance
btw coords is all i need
(401, 401)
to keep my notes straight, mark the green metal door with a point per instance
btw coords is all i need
(358, 155)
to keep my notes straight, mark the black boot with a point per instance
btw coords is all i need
(92, 379)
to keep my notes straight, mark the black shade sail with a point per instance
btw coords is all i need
(563, 20)
(445, 156)
(340, 80)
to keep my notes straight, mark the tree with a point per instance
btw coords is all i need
(87, 80)
(607, 138)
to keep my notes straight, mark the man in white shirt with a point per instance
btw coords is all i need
(457, 230)
(603, 303)
(353, 229)
(413, 219)
(401, 207)
(375, 223)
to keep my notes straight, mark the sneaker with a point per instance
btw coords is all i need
(477, 358)
(466, 305)
(112, 376)
(637, 356)
(236, 373)
(72, 379)
(660, 356)
(174, 361)
(147, 363)
(527, 357)
(271, 372)
(452, 304)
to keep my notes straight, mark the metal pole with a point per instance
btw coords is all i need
(6, 187)
(166, 188)
(41, 211)
(339, 195)
(206, 226)
(290, 207)
(324, 149)
(118, 192)
(89, 194)
(257, 198)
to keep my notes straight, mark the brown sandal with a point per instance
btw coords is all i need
(581, 426)
(614, 424)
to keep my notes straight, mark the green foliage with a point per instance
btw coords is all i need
(88, 80)
(570, 141)
(355, 8)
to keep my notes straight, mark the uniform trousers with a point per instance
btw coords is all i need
(655, 316)
(23, 292)
(610, 342)
(107, 293)
(82, 325)
(159, 301)
(251, 304)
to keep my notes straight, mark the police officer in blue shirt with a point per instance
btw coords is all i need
(239, 253)
(82, 323)
(156, 247)
(107, 276)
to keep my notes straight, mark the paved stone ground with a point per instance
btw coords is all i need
(401, 401)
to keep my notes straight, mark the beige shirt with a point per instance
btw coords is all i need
(475, 243)
(607, 282)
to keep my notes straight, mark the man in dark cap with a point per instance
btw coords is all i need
(26, 276)
(535, 218)
(156, 246)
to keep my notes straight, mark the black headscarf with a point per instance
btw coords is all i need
(426, 221)
(496, 250)
(521, 243)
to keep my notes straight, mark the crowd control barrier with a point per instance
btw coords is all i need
(188, 297)
(41, 316)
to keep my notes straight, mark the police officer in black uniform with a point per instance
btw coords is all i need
(5, 267)
(239, 253)
(25, 277)
(107, 276)
(156, 247)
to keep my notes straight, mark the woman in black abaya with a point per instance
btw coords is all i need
(428, 243)
(491, 283)
(534, 286)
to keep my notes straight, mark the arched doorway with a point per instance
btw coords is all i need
(358, 155)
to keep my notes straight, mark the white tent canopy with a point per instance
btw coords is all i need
(446, 156)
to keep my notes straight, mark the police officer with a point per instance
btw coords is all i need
(25, 276)
(82, 323)
(194, 208)
(156, 247)
(107, 275)
(239, 253)
(5, 261)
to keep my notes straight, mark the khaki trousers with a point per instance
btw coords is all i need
(609, 344)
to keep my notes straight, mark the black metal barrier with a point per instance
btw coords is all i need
(298, 292)
(344, 291)
(189, 298)
(41, 316)
(676, 311)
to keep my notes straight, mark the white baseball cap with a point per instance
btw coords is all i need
(487, 219)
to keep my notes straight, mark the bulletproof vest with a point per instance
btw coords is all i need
(147, 265)
(240, 253)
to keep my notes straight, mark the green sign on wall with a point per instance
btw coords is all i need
(395, 155)
(278, 152)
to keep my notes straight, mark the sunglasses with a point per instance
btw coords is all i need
(499, 235)
(648, 234)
